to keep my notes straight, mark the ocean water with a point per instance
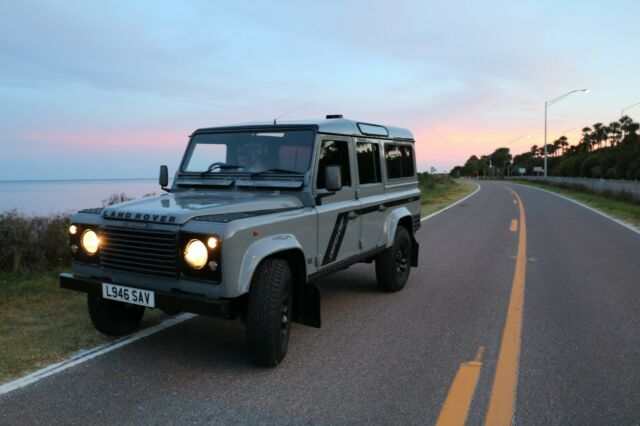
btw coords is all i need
(67, 196)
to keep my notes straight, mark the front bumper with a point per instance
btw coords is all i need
(168, 300)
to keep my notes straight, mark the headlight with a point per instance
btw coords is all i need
(196, 254)
(90, 242)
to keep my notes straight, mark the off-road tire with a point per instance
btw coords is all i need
(393, 264)
(269, 312)
(113, 318)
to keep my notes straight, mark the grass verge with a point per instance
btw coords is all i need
(41, 324)
(444, 194)
(627, 212)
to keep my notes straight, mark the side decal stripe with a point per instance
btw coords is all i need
(335, 241)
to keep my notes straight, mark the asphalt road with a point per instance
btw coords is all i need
(392, 358)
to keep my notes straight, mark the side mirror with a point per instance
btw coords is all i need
(333, 178)
(163, 180)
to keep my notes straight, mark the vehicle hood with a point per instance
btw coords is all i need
(179, 208)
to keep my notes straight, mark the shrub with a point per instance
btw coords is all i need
(427, 181)
(33, 243)
(36, 243)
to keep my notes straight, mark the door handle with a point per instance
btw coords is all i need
(352, 215)
(382, 207)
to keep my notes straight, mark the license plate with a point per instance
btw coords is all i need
(128, 295)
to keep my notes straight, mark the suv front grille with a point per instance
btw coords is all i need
(140, 251)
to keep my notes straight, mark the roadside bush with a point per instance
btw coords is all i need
(33, 243)
(426, 181)
(37, 243)
(429, 181)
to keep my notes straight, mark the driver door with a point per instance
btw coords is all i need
(339, 227)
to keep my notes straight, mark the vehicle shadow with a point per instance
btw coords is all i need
(357, 279)
(215, 345)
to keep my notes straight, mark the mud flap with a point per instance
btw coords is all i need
(306, 309)
(415, 248)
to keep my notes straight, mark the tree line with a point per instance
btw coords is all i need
(603, 151)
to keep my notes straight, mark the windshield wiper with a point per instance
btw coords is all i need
(285, 171)
(221, 166)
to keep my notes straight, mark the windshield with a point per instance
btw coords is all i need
(250, 152)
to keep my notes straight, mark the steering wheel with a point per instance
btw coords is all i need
(215, 165)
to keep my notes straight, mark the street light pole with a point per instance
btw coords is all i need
(547, 104)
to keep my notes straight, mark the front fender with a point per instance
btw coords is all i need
(258, 251)
(392, 223)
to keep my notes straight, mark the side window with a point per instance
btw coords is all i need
(399, 160)
(334, 153)
(368, 162)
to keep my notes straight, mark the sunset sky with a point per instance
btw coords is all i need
(113, 89)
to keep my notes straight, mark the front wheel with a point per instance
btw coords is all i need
(113, 318)
(393, 264)
(269, 312)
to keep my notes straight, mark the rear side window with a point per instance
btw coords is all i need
(334, 153)
(368, 162)
(399, 160)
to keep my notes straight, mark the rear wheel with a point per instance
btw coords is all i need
(269, 312)
(393, 265)
(113, 318)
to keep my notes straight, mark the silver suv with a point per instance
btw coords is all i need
(256, 215)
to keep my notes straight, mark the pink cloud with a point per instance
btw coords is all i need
(447, 146)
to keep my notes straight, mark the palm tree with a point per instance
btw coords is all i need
(624, 122)
(614, 133)
(599, 134)
(556, 146)
(564, 143)
(534, 150)
(585, 142)
(629, 128)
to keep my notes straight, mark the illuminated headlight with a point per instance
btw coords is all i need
(196, 254)
(73, 229)
(90, 242)
(212, 242)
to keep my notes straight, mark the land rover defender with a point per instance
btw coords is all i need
(255, 216)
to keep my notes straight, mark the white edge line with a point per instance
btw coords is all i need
(451, 205)
(600, 212)
(90, 354)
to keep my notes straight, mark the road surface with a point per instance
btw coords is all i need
(553, 341)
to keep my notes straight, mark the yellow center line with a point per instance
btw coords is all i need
(514, 225)
(503, 393)
(456, 406)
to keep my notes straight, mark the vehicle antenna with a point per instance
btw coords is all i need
(289, 112)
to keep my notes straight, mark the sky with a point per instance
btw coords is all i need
(113, 89)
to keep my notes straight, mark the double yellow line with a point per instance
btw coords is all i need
(502, 400)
